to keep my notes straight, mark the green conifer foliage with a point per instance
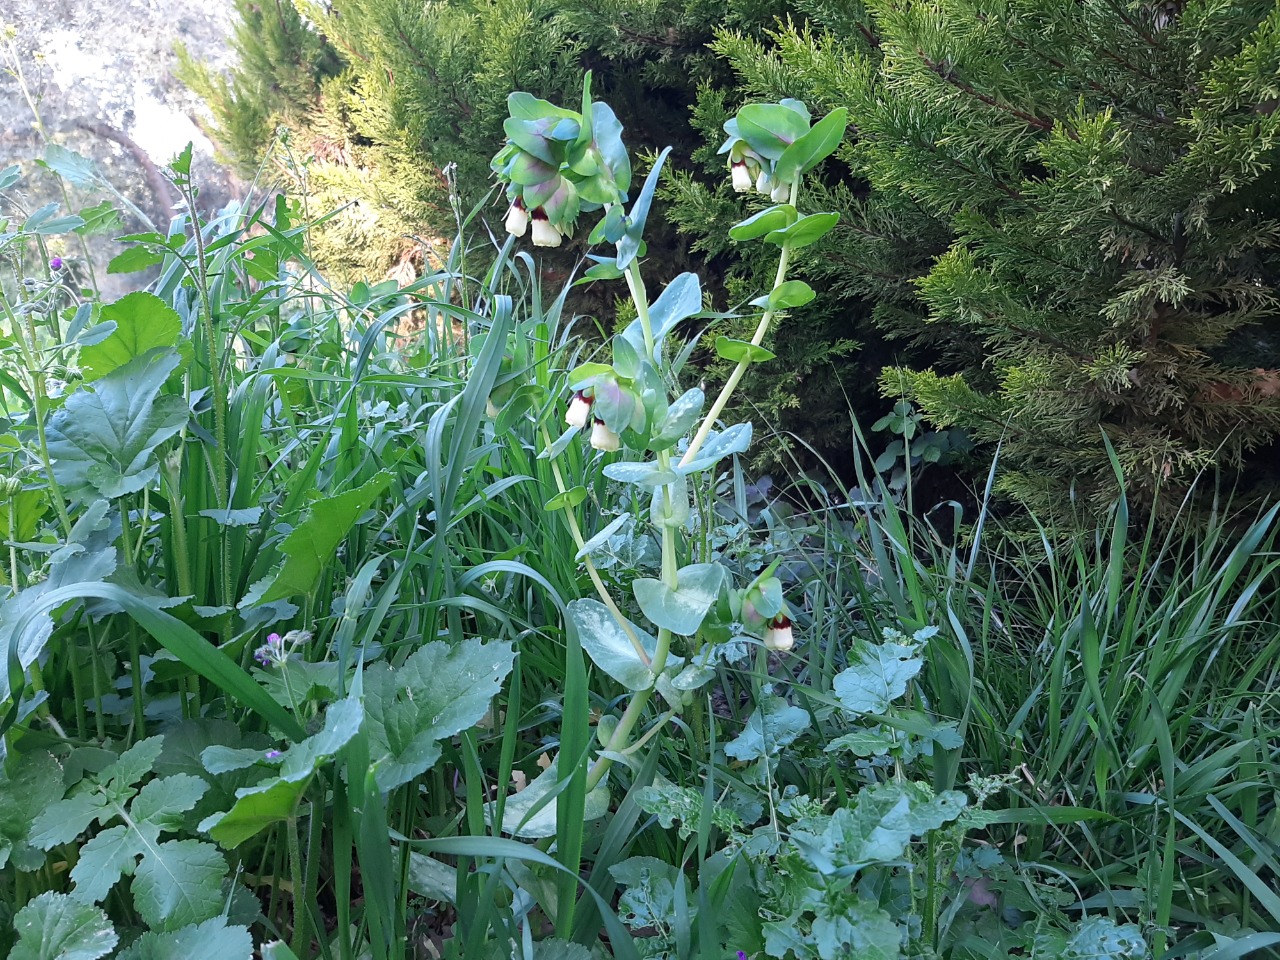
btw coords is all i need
(1101, 176)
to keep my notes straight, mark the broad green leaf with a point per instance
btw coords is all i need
(439, 692)
(134, 259)
(608, 646)
(732, 440)
(556, 949)
(519, 818)
(20, 515)
(35, 785)
(877, 828)
(770, 127)
(162, 802)
(53, 926)
(681, 416)
(792, 293)
(103, 439)
(773, 725)
(875, 742)
(813, 147)
(430, 878)
(212, 938)
(681, 610)
(45, 223)
(179, 883)
(143, 322)
(570, 498)
(805, 231)
(100, 218)
(312, 543)
(853, 927)
(738, 350)
(878, 674)
(275, 799)
(766, 221)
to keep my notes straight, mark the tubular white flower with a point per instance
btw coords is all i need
(545, 233)
(781, 192)
(490, 410)
(517, 219)
(578, 412)
(779, 637)
(741, 177)
(763, 183)
(602, 438)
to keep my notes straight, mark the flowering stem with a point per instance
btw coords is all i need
(576, 532)
(740, 370)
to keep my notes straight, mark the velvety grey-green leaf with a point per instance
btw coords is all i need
(681, 610)
(54, 926)
(773, 725)
(608, 646)
(878, 674)
(440, 691)
(851, 927)
(518, 816)
(179, 882)
(103, 439)
(735, 439)
(212, 938)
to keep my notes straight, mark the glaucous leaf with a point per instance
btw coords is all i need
(773, 725)
(681, 610)
(54, 926)
(608, 646)
(878, 674)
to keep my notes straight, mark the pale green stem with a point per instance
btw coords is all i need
(740, 370)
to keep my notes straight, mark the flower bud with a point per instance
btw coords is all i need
(578, 412)
(602, 438)
(517, 219)
(741, 176)
(55, 264)
(778, 637)
(545, 233)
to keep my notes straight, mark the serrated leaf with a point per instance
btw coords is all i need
(608, 646)
(100, 218)
(681, 610)
(53, 926)
(878, 827)
(179, 882)
(877, 675)
(308, 548)
(103, 439)
(35, 785)
(161, 803)
(439, 692)
(65, 820)
(107, 857)
(69, 165)
(21, 513)
(212, 938)
(134, 259)
(555, 949)
(773, 725)
(143, 322)
(853, 927)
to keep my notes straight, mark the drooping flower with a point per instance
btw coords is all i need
(781, 192)
(579, 411)
(517, 219)
(272, 652)
(763, 183)
(602, 438)
(778, 637)
(545, 233)
(490, 409)
(741, 176)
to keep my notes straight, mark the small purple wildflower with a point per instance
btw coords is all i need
(55, 264)
(273, 754)
(270, 653)
(742, 955)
